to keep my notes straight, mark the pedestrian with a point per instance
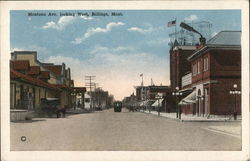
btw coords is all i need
(180, 111)
(74, 104)
(235, 115)
(78, 104)
(30, 101)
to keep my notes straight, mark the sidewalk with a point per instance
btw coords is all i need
(192, 117)
(77, 111)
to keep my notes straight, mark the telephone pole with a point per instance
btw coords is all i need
(89, 83)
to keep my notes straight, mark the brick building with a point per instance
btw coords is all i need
(153, 90)
(179, 65)
(216, 67)
(140, 92)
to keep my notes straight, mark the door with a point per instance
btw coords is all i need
(206, 101)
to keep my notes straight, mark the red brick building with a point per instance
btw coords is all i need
(179, 65)
(216, 67)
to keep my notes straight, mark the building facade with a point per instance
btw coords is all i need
(179, 65)
(216, 69)
(25, 90)
(32, 80)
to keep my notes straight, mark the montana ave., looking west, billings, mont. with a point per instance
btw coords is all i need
(125, 80)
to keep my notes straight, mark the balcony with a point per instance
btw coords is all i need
(186, 80)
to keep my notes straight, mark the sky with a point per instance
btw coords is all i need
(115, 49)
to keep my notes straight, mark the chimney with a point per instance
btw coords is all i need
(197, 46)
(63, 69)
(202, 41)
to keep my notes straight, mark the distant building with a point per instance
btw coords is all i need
(79, 93)
(166, 101)
(141, 92)
(129, 101)
(86, 102)
(146, 96)
(152, 91)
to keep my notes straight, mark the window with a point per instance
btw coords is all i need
(194, 69)
(87, 100)
(206, 64)
(198, 68)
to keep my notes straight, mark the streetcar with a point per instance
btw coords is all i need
(117, 106)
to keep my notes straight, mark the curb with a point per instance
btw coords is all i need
(194, 120)
(75, 112)
(222, 132)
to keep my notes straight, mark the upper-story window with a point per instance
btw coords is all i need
(194, 69)
(205, 60)
(207, 64)
(198, 67)
(204, 64)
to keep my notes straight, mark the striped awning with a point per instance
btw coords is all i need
(157, 103)
(189, 99)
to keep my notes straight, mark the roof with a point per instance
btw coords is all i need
(29, 79)
(44, 75)
(223, 40)
(15, 53)
(23, 52)
(20, 64)
(42, 65)
(226, 38)
(63, 86)
(34, 70)
(157, 87)
(57, 69)
(182, 47)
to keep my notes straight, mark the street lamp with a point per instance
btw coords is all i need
(176, 93)
(235, 92)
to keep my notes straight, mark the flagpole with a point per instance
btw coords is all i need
(142, 80)
(175, 28)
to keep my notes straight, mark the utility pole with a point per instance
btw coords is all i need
(152, 83)
(95, 100)
(90, 84)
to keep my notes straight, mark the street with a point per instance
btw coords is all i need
(107, 130)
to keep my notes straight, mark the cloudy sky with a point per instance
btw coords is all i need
(116, 49)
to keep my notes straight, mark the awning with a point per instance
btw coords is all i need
(136, 104)
(157, 103)
(141, 103)
(150, 102)
(144, 103)
(147, 103)
(189, 99)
